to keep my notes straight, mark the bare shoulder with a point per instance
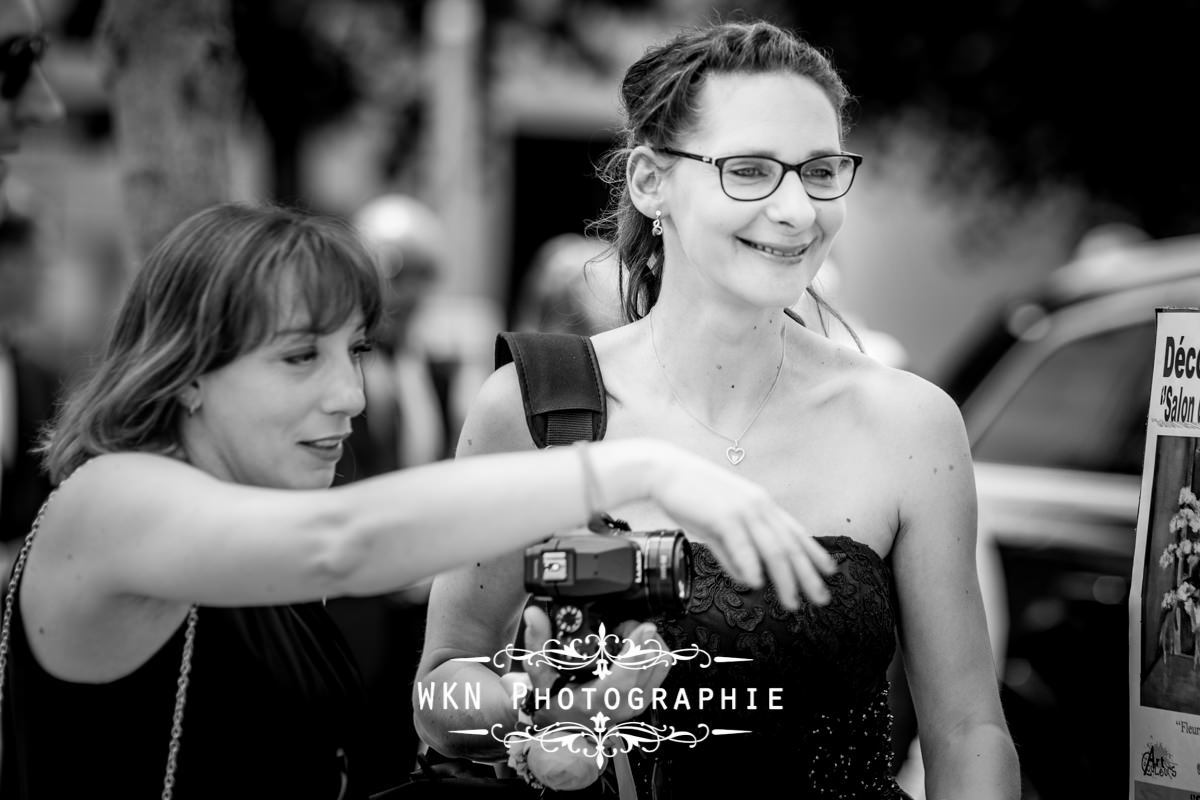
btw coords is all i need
(913, 427)
(922, 441)
(496, 420)
(111, 480)
(618, 352)
(120, 489)
(916, 407)
(899, 406)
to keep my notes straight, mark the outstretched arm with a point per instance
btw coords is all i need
(151, 526)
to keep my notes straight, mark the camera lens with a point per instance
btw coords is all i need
(667, 570)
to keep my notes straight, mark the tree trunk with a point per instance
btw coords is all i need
(172, 84)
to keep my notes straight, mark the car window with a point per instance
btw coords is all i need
(1084, 407)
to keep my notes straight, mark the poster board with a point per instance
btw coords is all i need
(1164, 601)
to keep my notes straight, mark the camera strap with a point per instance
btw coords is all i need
(561, 385)
(563, 393)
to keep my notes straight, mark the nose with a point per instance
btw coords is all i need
(38, 103)
(790, 203)
(344, 393)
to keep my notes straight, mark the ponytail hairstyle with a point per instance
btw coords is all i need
(659, 103)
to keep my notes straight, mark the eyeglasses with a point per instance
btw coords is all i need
(756, 177)
(18, 55)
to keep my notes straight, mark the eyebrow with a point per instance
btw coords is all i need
(307, 331)
(818, 153)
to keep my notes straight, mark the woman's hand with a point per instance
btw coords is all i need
(561, 769)
(744, 527)
(584, 705)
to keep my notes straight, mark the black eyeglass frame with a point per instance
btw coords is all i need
(719, 163)
(18, 57)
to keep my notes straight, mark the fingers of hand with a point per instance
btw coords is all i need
(627, 628)
(808, 561)
(811, 562)
(780, 565)
(817, 554)
(644, 633)
(739, 555)
(537, 633)
(811, 581)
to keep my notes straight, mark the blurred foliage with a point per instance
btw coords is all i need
(309, 62)
(1060, 90)
(1024, 93)
(296, 75)
(1040, 91)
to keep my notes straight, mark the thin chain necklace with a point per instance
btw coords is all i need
(735, 452)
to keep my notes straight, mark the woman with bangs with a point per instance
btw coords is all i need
(163, 633)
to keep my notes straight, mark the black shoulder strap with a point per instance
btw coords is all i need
(561, 385)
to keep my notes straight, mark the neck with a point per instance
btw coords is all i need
(719, 368)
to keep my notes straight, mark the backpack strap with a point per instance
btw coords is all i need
(561, 385)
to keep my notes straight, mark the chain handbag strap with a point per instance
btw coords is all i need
(185, 666)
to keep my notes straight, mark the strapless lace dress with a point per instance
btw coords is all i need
(829, 732)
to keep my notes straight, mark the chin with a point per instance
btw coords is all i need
(306, 480)
(321, 479)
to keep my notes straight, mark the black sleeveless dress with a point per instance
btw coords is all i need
(273, 709)
(829, 734)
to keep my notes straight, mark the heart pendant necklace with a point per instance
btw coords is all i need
(735, 453)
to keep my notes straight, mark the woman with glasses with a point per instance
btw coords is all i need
(730, 188)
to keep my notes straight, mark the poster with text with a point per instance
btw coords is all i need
(1164, 603)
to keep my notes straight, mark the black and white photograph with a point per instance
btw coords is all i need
(631, 399)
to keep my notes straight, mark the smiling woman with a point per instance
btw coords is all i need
(273, 295)
(165, 602)
(730, 186)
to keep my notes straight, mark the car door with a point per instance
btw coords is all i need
(1058, 434)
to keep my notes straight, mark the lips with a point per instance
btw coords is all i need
(328, 448)
(779, 252)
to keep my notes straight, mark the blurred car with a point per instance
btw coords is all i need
(1055, 392)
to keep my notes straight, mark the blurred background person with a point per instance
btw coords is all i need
(571, 287)
(26, 387)
(405, 422)
(26, 99)
(404, 425)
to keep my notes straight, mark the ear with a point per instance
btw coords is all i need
(645, 175)
(189, 398)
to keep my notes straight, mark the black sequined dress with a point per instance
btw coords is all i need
(828, 732)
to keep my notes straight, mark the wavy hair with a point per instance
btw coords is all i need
(213, 289)
(659, 102)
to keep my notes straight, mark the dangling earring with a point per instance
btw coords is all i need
(656, 227)
(193, 408)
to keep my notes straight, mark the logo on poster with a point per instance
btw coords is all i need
(1157, 761)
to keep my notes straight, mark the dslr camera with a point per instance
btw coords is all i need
(582, 581)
